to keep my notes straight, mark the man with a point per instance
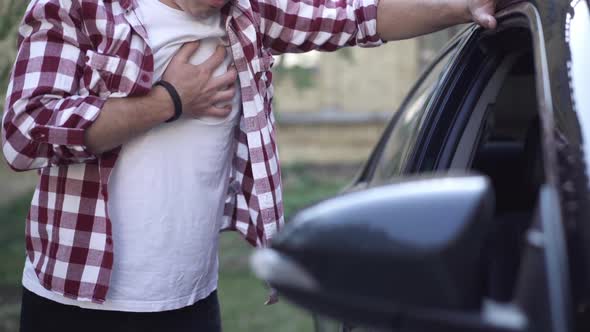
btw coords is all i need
(151, 126)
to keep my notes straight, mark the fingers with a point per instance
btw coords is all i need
(225, 95)
(484, 16)
(218, 112)
(487, 21)
(214, 60)
(186, 51)
(224, 80)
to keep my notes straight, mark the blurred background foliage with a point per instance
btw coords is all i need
(10, 15)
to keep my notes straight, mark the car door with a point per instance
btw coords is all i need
(489, 105)
(396, 152)
(425, 132)
(442, 125)
(396, 146)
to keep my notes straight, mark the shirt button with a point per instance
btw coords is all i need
(145, 77)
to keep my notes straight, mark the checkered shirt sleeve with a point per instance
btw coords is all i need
(293, 26)
(45, 112)
(282, 26)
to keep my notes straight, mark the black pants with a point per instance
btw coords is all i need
(41, 315)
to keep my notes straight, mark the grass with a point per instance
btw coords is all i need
(11, 12)
(241, 294)
(12, 247)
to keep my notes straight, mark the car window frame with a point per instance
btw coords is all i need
(472, 134)
(452, 110)
(366, 175)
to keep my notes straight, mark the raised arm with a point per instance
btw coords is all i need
(402, 19)
(291, 26)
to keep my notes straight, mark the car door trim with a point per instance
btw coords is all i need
(368, 169)
(544, 96)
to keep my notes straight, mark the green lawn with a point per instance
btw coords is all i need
(241, 294)
(12, 248)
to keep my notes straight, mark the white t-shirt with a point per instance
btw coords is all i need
(167, 190)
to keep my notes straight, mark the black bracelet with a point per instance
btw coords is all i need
(175, 99)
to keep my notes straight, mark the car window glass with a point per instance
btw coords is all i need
(403, 135)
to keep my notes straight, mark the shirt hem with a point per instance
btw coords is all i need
(125, 306)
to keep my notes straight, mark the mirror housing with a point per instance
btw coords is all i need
(365, 256)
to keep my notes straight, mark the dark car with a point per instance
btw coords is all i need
(473, 211)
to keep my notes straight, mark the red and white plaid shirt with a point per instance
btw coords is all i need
(74, 54)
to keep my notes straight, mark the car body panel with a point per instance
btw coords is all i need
(565, 148)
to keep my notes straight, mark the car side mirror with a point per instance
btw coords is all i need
(367, 256)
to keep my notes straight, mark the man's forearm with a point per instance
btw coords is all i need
(124, 118)
(402, 19)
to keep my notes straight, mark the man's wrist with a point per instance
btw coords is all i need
(176, 101)
(163, 102)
